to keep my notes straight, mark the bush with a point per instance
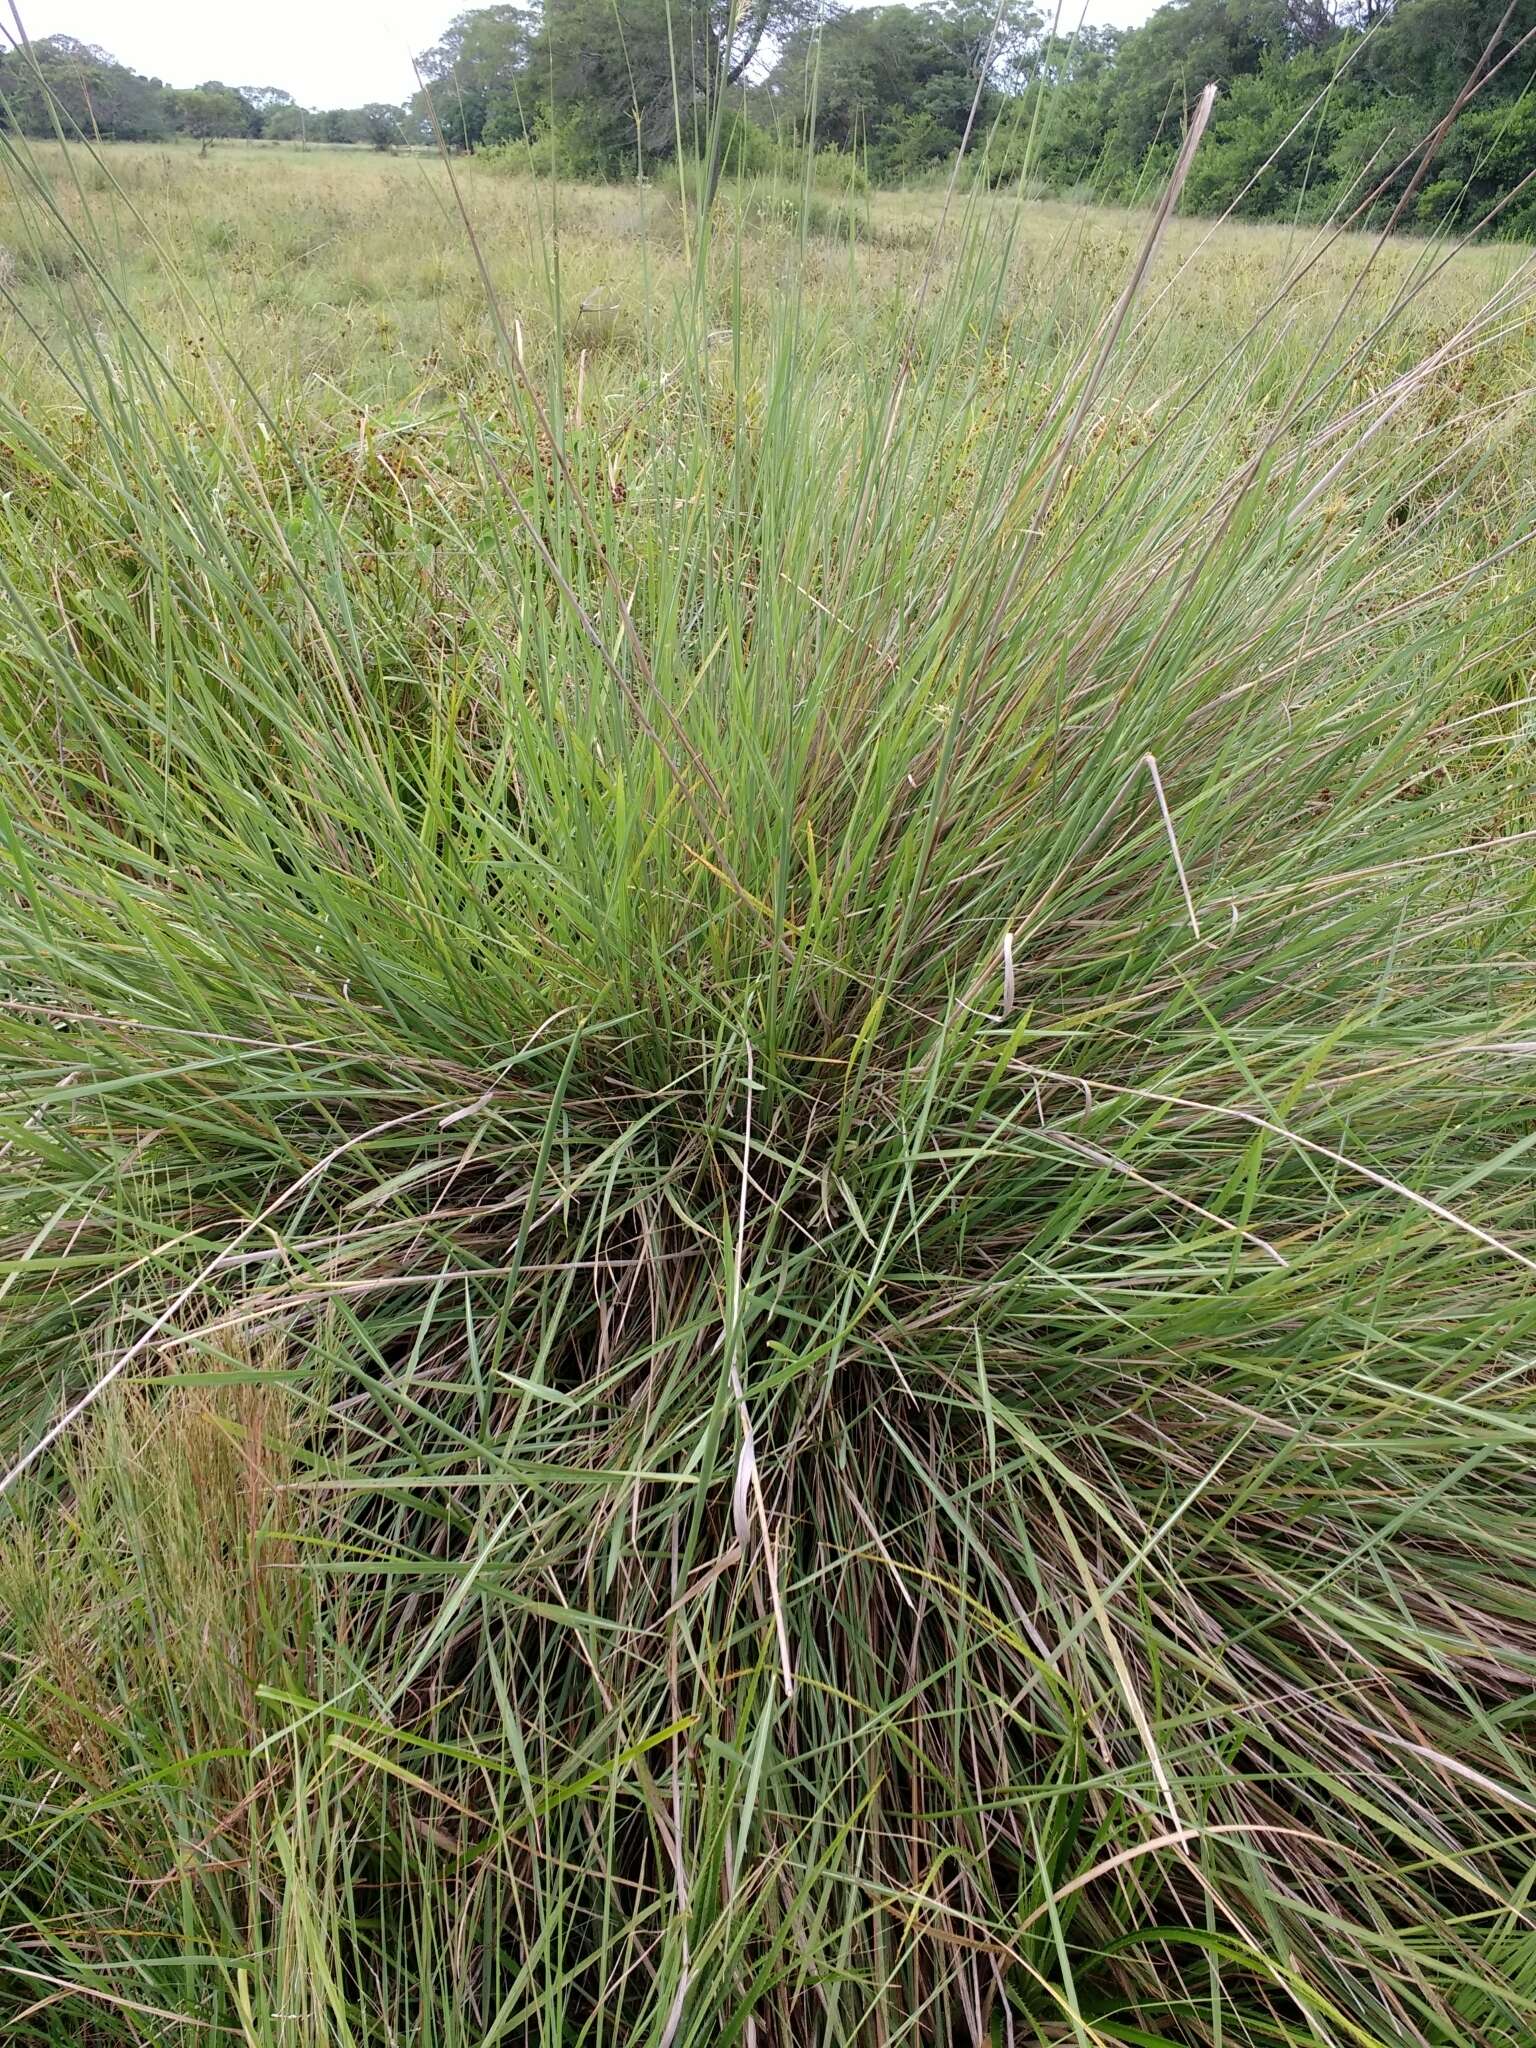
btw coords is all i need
(553, 149)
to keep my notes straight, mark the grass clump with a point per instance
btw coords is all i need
(776, 1107)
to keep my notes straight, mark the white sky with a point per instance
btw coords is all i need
(327, 53)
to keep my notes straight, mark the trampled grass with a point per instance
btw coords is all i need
(766, 1060)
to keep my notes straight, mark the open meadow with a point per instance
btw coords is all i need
(768, 1265)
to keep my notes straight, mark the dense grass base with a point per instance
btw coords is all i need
(770, 1093)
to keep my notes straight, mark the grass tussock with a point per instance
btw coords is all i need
(770, 1096)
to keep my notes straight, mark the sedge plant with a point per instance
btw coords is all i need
(768, 1260)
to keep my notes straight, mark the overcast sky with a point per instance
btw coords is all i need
(327, 53)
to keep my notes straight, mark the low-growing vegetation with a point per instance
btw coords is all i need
(765, 1042)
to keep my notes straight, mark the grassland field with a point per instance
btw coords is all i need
(767, 1247)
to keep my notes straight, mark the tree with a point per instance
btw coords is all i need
(82, 88)
(279, 117)
(1055, 128)
(213, 109)
(723, 44)
(605, 82)
(1162, 67)
(1269, 148)
(1428, 49)
(265, 98)
(994, 43)
(477, 75)
(285, 122)
(897, 81)
(382, 125)
(1315, 22)
(629, 75)
(1488, 153)
(341, 124)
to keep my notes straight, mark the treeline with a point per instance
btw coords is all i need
(1322, 103)
(58, 81)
